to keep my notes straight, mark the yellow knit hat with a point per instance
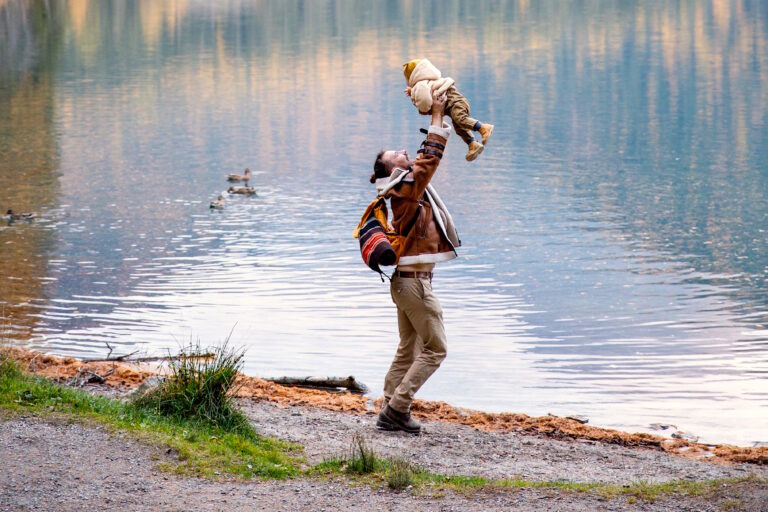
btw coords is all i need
(408, 68)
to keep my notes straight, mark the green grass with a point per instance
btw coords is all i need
(397, 469)
(198, 389)
(203, 449)
(398, 474)
(362, 459)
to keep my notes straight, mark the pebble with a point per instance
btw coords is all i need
(687, 436)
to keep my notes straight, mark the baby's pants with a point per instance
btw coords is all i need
(457, 108)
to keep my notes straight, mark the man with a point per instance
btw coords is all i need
(420, 216)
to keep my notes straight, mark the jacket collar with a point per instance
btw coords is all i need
(384, 185)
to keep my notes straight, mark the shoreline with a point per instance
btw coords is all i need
(124, 377)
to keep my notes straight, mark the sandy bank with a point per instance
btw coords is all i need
(122, 377)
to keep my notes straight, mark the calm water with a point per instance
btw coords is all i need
(615, 261)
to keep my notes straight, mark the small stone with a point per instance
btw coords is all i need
(686, 436)
(577, 417)
(146, 386)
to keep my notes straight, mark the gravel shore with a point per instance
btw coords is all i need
(55, 464)
(59, 465)
(449, 448)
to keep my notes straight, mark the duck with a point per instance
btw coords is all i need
(11, 215)
(240, 177)
(218, 204)
(249, 191)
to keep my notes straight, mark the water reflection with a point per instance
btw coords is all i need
(615, 229)
(28, 157)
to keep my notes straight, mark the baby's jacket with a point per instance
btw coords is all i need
(423, 80)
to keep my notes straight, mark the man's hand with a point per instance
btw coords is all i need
(438, 104)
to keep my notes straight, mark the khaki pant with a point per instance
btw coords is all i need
(422, 340)
(457, 108)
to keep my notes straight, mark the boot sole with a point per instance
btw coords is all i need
(384, 425)
(473, 156)
(390, 426)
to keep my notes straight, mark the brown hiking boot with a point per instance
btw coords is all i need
(474, 150)
(485, 132)
(390, 419)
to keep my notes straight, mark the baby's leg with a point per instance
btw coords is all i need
(457, 108)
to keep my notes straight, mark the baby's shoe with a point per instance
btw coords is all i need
(485, 132)
(474, 150)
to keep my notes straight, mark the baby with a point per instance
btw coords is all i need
(423, 78)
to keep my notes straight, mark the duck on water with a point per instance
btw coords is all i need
(13, 216)
(240, 177)
(249, 191)
(218, 204)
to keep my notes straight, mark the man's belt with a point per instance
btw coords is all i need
(414, 275)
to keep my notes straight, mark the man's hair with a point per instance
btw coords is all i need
(379, 168)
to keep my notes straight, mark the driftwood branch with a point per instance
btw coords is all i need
(83, 377)
(349, 383)
(124, 357)
(128, 359)
(148, 359)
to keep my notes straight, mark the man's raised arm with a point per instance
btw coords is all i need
(431, 152)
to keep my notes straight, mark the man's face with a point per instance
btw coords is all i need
(394, 159)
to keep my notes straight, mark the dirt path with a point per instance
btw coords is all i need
(68, 467)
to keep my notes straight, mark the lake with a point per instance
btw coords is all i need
(615, 258)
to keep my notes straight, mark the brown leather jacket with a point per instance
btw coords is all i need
(411, 212)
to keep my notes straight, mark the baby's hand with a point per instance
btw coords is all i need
(408, 91)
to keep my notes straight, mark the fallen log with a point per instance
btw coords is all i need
(349, 383)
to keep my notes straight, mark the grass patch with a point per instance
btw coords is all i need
(731, 505)
(204, 449)
(362, 459)
(400, 474)
(650, 492)
(198, 389)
